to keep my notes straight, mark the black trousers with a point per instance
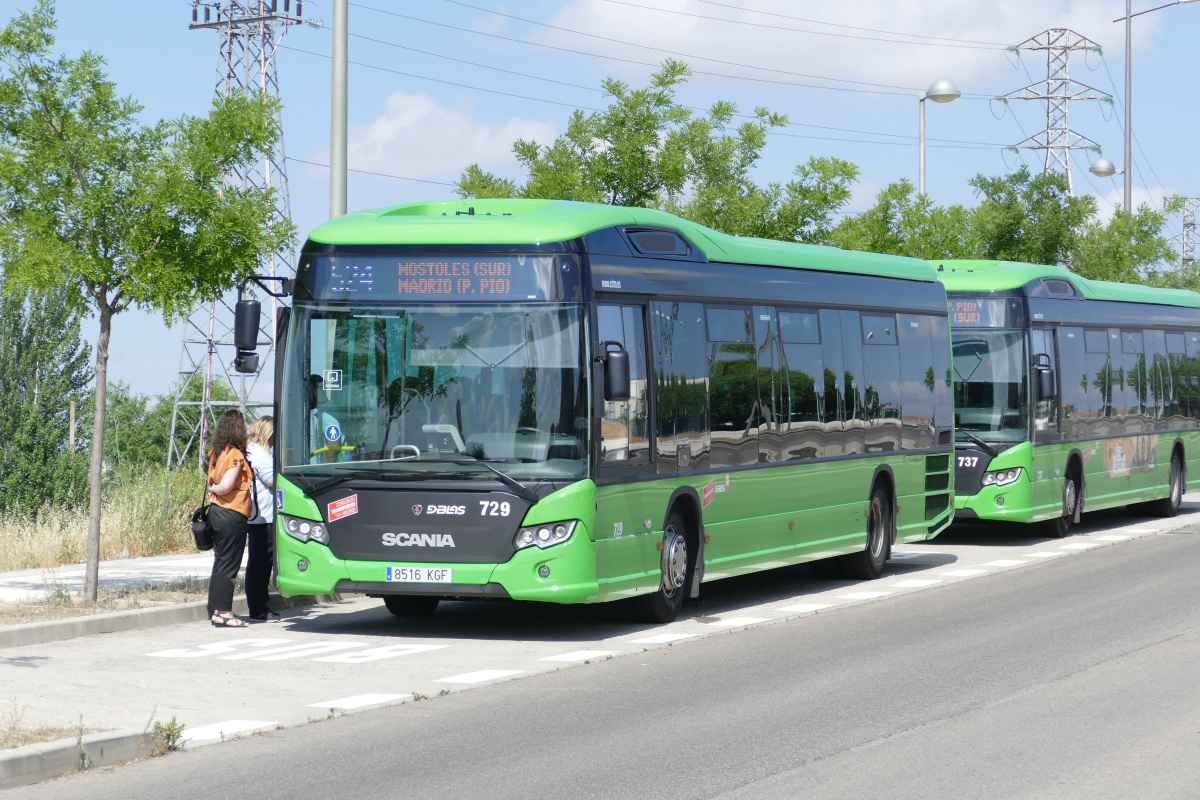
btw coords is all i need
(258, 567)
(229, 542)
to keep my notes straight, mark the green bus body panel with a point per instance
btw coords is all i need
(983, 277)
(535, 222)
(1037, 496)
(756, 519)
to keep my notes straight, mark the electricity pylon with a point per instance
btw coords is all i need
(248, 38)
(1058, 90)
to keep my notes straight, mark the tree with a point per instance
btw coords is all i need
(646, 149)
(116, 213)
(43, 369)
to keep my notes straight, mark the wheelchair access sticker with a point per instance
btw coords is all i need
(279, 500)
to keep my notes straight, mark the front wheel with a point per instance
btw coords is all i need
(1169, 505)
(677, 563)
(410, 606)
(1060, 527)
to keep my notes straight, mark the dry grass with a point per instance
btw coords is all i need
(61, 605)
(145, 513)
(14, 732)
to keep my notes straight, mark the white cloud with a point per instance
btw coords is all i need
(1111, 200)
(852, 59)
(414, 135)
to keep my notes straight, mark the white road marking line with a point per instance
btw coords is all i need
(360, 701)
(380, 653)
(481, 676)
(1112, 538)
(863, 595)
(226, 730)
(664, 638)
(1079, 546)
(730, 622)
(1044, 554)
(1142, 531)
(806, 608)
(576, 656)
(218, 648)
(295, 651)
(964, 573)
(1005, 562)
(916, 583)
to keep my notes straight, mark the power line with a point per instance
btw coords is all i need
(375, 173)
(777, 14)
(460, 85)
(531, 76)
(903, 92)
(1120, 126)
(667, 51)
(807, 31)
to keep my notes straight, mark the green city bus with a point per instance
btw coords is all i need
(1070, 395)
(578, 403)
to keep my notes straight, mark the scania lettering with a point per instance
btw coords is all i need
(578, 403)
(1071, 395)
(417, 540)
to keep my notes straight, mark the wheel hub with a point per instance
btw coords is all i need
(675, 559)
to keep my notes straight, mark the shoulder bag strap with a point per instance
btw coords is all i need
(253, 480)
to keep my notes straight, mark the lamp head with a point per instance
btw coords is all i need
(1103, 168)
(942, 91)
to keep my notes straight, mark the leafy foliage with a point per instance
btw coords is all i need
(43, 367)
(646, 149)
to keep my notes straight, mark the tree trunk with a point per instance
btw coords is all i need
(91, 583)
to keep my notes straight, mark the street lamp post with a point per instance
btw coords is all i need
(1128, 20)
(940, 91)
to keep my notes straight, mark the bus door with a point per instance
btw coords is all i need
(1048, 464)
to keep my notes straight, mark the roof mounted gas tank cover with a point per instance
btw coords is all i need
(1054, 287)
(658, 242)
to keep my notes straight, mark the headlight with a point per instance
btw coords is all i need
(305, 529)
(1002, 477)
(544, 536)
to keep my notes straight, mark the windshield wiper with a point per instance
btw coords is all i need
(991, 451)
(319, 486)
(519, 489)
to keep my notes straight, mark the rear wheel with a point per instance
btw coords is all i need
(410, 606)
(663, 605)
(869, 564)
(1060, 527)
(1169, 505)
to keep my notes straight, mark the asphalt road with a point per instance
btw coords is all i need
(1077, 679)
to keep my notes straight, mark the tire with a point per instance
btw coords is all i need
(881, 522)
(402, 606)
(677, 566)
(1060, 527)
(1169, 505)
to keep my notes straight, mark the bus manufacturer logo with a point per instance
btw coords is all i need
(417, 540)
(416, 509)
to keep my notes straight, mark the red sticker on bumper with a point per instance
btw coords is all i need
(340, 509)
(710, 491)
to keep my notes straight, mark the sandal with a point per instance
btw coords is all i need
(227, 620)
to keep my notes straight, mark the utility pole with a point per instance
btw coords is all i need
(71, 427)
(1187, 241)
(1057, 91)
(338, 112)
(1128, 196)
(248, 38)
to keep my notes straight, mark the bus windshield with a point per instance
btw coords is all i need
(434, 388)
(990, 371)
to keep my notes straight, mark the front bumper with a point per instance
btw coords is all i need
(1011, 503)
(571, 579)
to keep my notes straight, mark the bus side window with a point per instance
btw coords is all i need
(624, 428)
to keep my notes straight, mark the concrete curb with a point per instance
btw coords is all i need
(117, 621)
(41, 762)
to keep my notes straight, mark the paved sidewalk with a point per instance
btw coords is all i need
(352, 655)
(32, 585)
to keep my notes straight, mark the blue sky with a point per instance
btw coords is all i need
(434, 119)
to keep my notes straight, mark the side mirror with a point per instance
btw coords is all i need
(616, 372)
(245, 334)
(1047, 383)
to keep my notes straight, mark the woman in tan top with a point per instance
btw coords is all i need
(230, 484)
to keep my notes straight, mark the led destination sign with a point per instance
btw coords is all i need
(450, 278)
(985, 313)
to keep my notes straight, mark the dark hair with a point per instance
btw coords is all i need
(231, 432)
